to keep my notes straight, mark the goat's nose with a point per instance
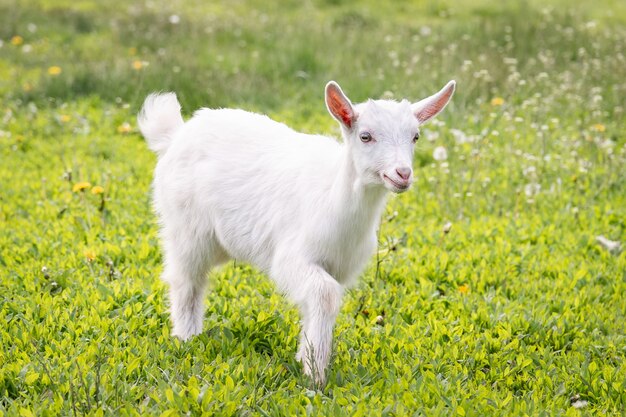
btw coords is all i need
(404, 173)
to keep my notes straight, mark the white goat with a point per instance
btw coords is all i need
(230, 184)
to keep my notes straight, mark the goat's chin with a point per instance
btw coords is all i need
(397, 190)
(395, 187)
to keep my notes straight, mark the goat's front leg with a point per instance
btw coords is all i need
(319, 297)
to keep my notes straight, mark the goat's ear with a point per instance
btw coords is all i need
(339, 105)
(431, 106)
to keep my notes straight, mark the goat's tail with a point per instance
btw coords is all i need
(159, 119)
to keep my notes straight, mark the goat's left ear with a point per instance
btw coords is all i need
(339, 105)
(431, 106)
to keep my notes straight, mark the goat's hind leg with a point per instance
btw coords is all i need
(186, 267)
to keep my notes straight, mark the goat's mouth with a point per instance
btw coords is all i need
(396, 186)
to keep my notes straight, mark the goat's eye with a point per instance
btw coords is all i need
(416, 137)
(365, 137)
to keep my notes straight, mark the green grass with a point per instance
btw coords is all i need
(516, 311)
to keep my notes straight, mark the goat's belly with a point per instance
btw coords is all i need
(245, 241)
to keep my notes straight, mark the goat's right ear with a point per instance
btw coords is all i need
(339, 105)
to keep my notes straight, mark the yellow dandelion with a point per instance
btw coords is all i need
(64, 118)
(464, 289)
(124, 128)
(137, 65)
(497, 101)
(97, 189)
(17, 40)
(27, 87)
(54, 70)
(599, 127)
(81, 186)
(90, 254)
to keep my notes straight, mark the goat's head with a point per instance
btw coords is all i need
(381, 134)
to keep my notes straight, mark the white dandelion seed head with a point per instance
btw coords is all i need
(460, 136)
(440, 154)
(530, 171)
(532, 189)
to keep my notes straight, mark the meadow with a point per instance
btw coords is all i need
(498, 287)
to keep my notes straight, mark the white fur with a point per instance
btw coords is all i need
(303, 208)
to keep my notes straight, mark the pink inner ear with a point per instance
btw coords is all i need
(343, 113)
(340, 108)
(434, 106)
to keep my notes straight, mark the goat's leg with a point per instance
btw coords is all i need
(187, 264)
(319, 297)
(186, 289)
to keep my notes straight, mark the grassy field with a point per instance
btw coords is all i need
(518, 310)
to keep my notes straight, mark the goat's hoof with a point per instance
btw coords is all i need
(316, 375)
(185, 335)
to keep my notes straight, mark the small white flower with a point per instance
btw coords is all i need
(447, 227)
(610, 245)
(440, 153)
(174, 19)
(580, 404)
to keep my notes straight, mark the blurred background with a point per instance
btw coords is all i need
(276, 56)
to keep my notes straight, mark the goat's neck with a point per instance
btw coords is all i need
(361, 203)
